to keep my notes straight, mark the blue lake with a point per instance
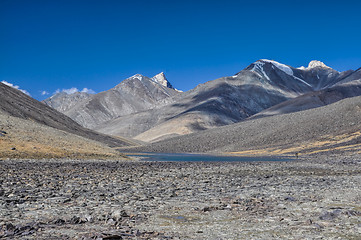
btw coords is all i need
(181, 157)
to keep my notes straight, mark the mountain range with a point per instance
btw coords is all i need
(268, 108)
(151, 109)
(135, 94)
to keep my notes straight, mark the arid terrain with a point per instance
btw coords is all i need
(315, 198)
(59, 180)
(199, 120)
(30, 129)
(27, 139)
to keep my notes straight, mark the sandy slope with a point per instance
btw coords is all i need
(29, 139)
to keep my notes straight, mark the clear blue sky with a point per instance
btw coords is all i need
(59, 44)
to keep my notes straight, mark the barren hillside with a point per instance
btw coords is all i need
(335, 127)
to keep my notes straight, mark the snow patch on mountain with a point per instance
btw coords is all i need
(137, 76)
(280, 66)
(258, 68)
(286, 69)
(301, 80)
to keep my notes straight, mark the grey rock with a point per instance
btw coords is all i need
(288, 198)
(330, 215)
(119, 214)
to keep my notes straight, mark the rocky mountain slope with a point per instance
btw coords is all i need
(129, 110)
(63, 101)
(227, 100)
(135, 94)
(314, 99)
(348, 86)
(38, 120)
(333, 127)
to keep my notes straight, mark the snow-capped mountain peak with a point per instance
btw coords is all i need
(137, 76)
(316, 76)
(259, 68)
(315, 63)
(280, 66)
(162, 80)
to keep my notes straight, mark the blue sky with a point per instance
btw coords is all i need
(50, 45)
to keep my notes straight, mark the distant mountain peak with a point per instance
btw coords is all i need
(280, 66)
(137, 76)
(62, 101)
(162, 80)
(259, 67)
(315, 63)
(160, 75)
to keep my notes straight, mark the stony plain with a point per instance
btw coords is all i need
(316, 198)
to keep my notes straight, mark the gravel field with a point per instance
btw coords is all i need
(317, 198)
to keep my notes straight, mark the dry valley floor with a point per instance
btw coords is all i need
(316, 198)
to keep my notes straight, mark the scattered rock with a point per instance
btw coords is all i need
(288, 198)
(132, 200)
(352, 213)
(119, 214)
(58, 221)
(76, 220)
(207, 209)
(330, 215)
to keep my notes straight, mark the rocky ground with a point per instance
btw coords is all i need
(317, 198)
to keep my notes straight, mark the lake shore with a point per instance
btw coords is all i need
(86, 199)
